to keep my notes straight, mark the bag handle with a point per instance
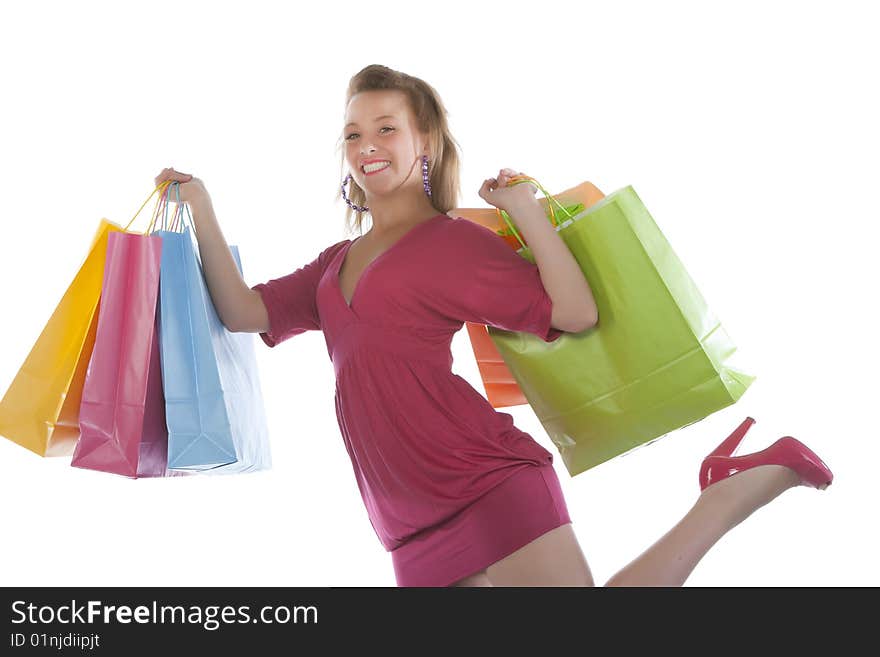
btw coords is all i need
(176, 223)
(160, 187)
(570, 211)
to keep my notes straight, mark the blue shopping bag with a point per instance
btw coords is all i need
(213, 401)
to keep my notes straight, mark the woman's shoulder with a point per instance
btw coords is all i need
(337, 245)
(462, 232)
(326, 255)
(333, 249)
(460, 225)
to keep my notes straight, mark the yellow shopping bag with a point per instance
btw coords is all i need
(33, 405)
(40, 410)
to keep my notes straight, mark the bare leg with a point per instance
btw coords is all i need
(720, 508)
(553, 559)
(477, 579)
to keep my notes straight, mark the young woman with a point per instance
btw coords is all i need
(455, 492)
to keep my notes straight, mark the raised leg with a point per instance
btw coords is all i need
(720, 508)
(556, 559)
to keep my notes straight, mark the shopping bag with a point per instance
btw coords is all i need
(122, 413)
(40, 408)
(213, 402)
(499, 384)
(657, 361)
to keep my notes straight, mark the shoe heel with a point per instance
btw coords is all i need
(728, 447)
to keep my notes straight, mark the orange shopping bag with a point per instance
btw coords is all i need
(501, 388)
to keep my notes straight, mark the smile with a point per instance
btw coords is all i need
(371, 169)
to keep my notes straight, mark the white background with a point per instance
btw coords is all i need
(749, 130)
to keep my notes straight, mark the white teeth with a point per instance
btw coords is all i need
(375, 166)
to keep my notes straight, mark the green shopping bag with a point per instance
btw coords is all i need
(657, 361)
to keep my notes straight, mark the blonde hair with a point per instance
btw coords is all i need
(430, 118)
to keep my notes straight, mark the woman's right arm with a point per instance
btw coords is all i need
(277, 309)
(240, 308)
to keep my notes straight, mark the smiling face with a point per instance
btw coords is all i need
(380, 126)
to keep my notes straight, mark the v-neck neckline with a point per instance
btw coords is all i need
(344, 254)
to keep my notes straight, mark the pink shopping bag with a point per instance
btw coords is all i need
(122, 413)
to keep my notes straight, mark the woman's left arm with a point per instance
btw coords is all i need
(574, 308)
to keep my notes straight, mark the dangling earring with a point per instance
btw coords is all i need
(356, 208)
(425, 175)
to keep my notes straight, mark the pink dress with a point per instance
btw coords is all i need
(450, 484)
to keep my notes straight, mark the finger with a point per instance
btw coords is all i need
(171, 173)
(167, 174)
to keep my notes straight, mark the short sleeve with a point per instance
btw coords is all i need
(484, 281)
(291, 301)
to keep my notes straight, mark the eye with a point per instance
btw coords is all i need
(348, 138)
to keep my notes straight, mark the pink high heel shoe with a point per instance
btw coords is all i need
(787, 451)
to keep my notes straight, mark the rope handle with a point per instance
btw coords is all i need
(176, 224)
(569, 211)
(160, 188)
